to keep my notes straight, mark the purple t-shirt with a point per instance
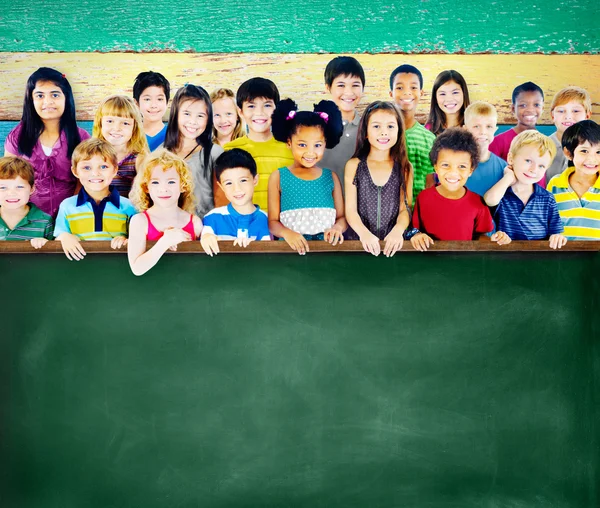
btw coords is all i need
(54, 180)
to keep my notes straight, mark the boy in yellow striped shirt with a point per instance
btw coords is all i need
(577, 188)
(97, 212)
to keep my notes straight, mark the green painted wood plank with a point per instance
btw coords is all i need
(411, 26)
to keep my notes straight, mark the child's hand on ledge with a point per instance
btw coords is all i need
(117, 242)
(421, 242)
(501, 238)
(38, 243)
(371, 243)
(334, 236)
(71, 246)
(242, 241)
(210, 244)
(393, 242)
(557, 241)
(297, 242)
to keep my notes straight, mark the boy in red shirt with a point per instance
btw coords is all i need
(450, 211)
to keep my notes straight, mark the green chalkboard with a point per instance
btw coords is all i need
(269, 26)
(331, 380)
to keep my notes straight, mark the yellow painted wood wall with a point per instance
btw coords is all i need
(300, 76)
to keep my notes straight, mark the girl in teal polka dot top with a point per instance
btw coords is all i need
(305, 201)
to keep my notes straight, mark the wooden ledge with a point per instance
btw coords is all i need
(484, 245)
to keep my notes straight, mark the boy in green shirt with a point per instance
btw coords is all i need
(406, 88)
(20, 219)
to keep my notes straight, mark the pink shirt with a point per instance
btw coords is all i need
(54, 180)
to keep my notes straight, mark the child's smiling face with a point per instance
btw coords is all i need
(307, 145)
(164, 187)
(14, 193)
(450, 97)
(483, 128)
(48, 100)
(225, 116)
(117, 130)
(406, 91)
(192, 118)
(238, 185)
(567, 114)
(453, 168)
(153, 103)
(346, 92)
(586, 158)
(528, 165)
(95, 174)
(382, 130)
(528, 108)
(257, 114)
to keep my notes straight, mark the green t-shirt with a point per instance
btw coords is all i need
(418, 144)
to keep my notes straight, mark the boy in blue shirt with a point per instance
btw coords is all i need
(97, 212)
(481, 120)
(241, 220)
(151, 92)
(524, 209)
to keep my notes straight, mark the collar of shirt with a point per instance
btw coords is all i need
(113, 197)
(33, 213)
(249, 216)
(563, 179)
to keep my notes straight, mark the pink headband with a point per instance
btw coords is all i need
(324, 116)
(291, 115)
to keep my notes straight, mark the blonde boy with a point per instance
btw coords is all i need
(481, 120)
(20, 219)
(97, 212)
(569, 106)
(524, 209)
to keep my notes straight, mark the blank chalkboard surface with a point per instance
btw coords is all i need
(330, 380)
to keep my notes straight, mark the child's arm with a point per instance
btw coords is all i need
(295, 240)
(141, 261)
(38, 243)
(419, 241)
(395, 238)
(209, 239)
(71, 244)
(555, 227)
(493, 196)
(369, 241)
(335, 234)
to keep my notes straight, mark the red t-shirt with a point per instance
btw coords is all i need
(451, 219)
(500, 145)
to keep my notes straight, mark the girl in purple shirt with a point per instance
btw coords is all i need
(46, 137)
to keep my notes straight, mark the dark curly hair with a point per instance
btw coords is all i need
(325, 115)
(456, 139)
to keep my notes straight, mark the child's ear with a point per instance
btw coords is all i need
(74, 171)
(327, 88)
(567, 154)
(32, 189)
(510, 158)
(513, 110)
(588, 115)
(255, 180)
(391, 95)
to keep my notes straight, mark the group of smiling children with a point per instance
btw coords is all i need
(327, 174)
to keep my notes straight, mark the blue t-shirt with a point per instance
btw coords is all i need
(155, 141)
(536, 220)
(228, 224)
(486, 175)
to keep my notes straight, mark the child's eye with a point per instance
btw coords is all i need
(250, 106)
(318, 145)
(108, 120)
(268, 105)
(103, 167)
(243, 180)
(153, 182)
(302, 145)
(227, 184)
(171, 182)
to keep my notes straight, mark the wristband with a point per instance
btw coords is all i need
(409, 233)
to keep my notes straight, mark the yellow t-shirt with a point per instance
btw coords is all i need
(269, 156)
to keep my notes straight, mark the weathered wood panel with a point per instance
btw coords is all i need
(410, 26)
(490, 77)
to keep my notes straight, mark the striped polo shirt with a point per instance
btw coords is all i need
(36, 224)
(581, 216)
(536, 220)
(80, 215)
(418, 145)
